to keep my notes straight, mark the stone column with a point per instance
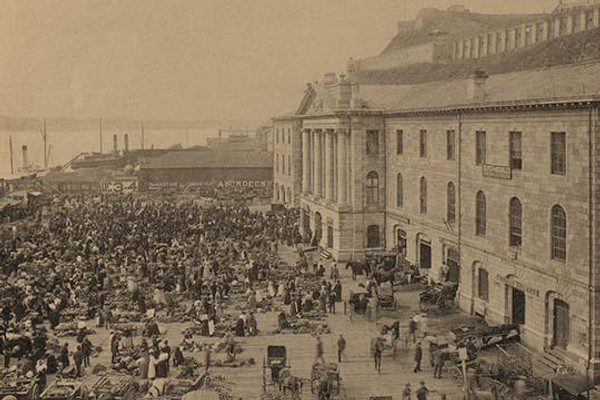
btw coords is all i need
(329, 165)
(493, 43)
(583, 25)
(570, 24)
(306, 161)
(596, 17)
(557, 26)
(342, 169)
(318, 167)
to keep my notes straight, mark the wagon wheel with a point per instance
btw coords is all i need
(35, 392)
(474, 340)
(441, 303)
(456, 375)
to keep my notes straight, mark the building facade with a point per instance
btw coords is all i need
(487, 181)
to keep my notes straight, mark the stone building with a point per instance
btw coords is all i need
(492, 180)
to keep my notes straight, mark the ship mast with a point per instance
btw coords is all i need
(100, 126)
(45, 138)
(10, 146)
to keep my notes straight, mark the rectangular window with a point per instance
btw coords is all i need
(559, 153)
(277, 135)
(480, 146)
(289, 136)
(483, 287)
(450, 145)
(372, 143)
(516, 150)
(289, 165)
(423, 143)
(399, 141)
(283, 164)
(277, 163)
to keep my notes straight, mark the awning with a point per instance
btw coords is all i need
(573, 383)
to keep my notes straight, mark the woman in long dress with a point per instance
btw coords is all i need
(153, 362)
(145, 362)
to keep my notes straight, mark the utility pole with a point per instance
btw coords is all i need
(100, 126)
(45, 137)
(10, 147)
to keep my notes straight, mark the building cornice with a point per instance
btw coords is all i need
(472, 108)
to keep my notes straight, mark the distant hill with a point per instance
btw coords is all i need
(576, 48)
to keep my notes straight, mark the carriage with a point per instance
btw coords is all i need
(487, 335)
(440, 296)
(276, 361)
(357, 302)
(390, 335)
(282, 380)
(115, 385)
(19, 388)
(325, 381)
(64, 389)
(386, 299)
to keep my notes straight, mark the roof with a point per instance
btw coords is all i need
(554, 83)
(85, 175)
(432, 24)
(211, 159)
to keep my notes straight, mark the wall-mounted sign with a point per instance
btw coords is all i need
(512, 282)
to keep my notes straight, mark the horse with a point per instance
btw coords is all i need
(359, 268)
(291, 383)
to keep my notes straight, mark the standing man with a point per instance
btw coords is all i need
(422, 392)
(412, 328)
(418, 357)
(341, 343)
(438, 363)
(377, 348)
(86, 349)
(320, 352)
(78, 358)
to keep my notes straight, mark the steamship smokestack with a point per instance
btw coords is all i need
(115, 147)
(126, 140)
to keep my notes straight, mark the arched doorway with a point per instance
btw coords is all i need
(424, 251)
(515, 302)
(373, 240)
(557, 320)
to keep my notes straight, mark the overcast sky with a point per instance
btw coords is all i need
(238, 60)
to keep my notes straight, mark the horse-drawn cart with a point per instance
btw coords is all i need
(357, 302)
(64, 389)
(19, 388)
(487, 335)
(439, 296)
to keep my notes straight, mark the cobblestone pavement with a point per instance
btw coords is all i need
(359, 378)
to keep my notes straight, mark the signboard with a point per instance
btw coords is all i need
(121, 186)
(512, 282)
(497, 171)
(215, 183)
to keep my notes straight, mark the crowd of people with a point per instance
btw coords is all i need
(99, 258)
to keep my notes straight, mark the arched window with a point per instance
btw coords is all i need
(559, 233)
(277, 194)
(451, 203)
(372, 188)
(423, 195)
(515, 222)
(399, 191)
(480, 214)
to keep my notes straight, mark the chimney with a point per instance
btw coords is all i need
(126, 143)
(25, 163)
(115, 147)
(344, 97)
(476, 86)
(352, 68)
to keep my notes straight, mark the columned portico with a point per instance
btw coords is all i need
(317, 181)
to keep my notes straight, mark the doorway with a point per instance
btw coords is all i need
(372, 236)
(424, 255)
(318, 229)
(401, 242)
(561, 323)
(452, 260)
(518, 306)
(330, 236)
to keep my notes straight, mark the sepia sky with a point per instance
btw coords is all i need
(231, 60)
